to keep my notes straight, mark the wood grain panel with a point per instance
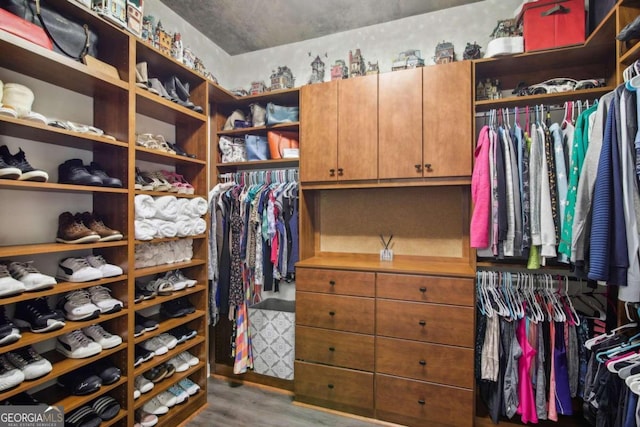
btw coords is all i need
(445, 290)
(334, 348)
(425, 322)
(400, 124)
(356, 283)
(343, 313)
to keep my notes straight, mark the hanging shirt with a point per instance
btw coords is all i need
(536, 161)
(508, 245)
(547, 225)
(561, 172)
(481, 192)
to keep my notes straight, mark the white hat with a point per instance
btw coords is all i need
(18, 97)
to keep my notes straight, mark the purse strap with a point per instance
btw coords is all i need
(85, 49)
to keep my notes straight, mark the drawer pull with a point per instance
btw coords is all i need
(423, 289)
(423, 362)
(422, 323)
(332, 282)
(330, 386)
(332, 349)
(332, 313)
(332, 172)
(421, 401)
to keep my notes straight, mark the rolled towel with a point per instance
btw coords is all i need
(184, 227)
(164, 228)
(145, 230)
(166, 208)
(145, 206)
(198, 206)
(183, 207)
(199, 226)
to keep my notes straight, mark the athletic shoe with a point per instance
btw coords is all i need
(76, 345)
(77, 306)
(178, 364)
(9, 285)
(8, 331)
(142, 355)
(180, 394)
(146, 419)
(102, 337)
(167, 399)
(106, 407)
(80, 382)
(146, 294)
(138, 330)
(30, 277)
(77, 270)
(19, 160)
(182, 333)
(31, 364)
(85, 416)
(181, 277)
(170, 369)
(155, 345)
(107, 270)
(101, 297)
(136, 394)
(94, 223)
(156, 374)
(10, 376)
(107, 371)
(177, 308)
(189, 358)
(160, 286)
(7, 171)
(72, 231)
(142, 384)
(175, 281)
(36, 315)
(189, 386)
(155, 407)
(169, 340)
(147, 323)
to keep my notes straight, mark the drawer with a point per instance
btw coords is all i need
(344, 349)
(443, 290)
(336, 388)
(350, 314)
(416, 403)
(357, 283)
(427, 362)
(442, 324)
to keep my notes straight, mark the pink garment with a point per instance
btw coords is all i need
(481, 193)
(527, 404)
(553, 412)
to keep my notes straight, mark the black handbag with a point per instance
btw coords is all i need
(69, 37)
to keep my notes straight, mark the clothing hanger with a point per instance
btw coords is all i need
(632, 343)
(572, 311)
(592, 341)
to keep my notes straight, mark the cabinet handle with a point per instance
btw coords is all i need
(332, 349)
(332, 172)
(423, 289)
(423, 362)
(421, 401)
(422, 323)
(418, 168)
(427, 166)
(340, 171)
(332, 282)
(332, 313)
(330, 386)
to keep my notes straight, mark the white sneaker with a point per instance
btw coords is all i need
(179, 364)
(180, 394)
(189, 386)
(167, 399)
(145, 419)
(102, 337)
(30, 277)
(76, 345)
(31, 364)
(101, 296)
(169, 340)
(155, 407)
(10, 376)
(77, 306)
(181, 277)
(156, 346)
(142, 384)
(136, 394)
(189, 358)
(9, 285)
(107, 270)
(77, 270)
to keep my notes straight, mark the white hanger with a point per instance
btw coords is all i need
(593, 341)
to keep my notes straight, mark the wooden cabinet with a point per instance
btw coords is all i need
(319, 132)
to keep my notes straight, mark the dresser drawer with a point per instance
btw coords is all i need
(336, 282)
(335, 348)
(343, 313)
(425, 322)
(443, 290)
(416, 403)
(336, 388)
(427, 362)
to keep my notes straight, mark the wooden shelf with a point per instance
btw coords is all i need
(262, 130)
(121, 415)
(631, 55)
(158, 360)
(398, 183)
(258, 164)
(220, 95)
(166, 383)
(166, 193)
(7, 184)
(167, 325)
(280, 97)
(158, 156)
(148, 271)
(44, 248)
(58, 396)
(171, 239)
(547, 98)
(60, 288)
(155, 106)
(160, 299)
(159, 63)
(26, 129)
(61, 366)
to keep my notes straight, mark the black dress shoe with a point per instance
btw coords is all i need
(179, 151)
(96, 170)
(74, 172)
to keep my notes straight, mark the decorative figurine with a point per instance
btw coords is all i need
(177, 49)
(282, 78)
(211, 77)
(198, 66)
(472, 51)
(163, 39)
(188, 58)
(506, 28)
(372, 68)
(317, 70)
(356, 64)
(113, 10)
(339, 70)
(489, 89)
(147, 34)
(239, 91)
(444, 53)
(257, 87)
(408, 59)
(134, 16)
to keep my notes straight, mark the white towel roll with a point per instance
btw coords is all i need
(199, 226)
(145, 230)
(166, 208)
(198, 206)
(145, 206)
(164, 228)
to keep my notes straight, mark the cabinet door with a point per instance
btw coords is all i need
(358, 128)
(400, 124)
(319, 132)
(447, 113)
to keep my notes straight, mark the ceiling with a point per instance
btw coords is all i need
(241, 26)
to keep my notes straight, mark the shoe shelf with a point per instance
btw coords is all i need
(7, 184)
(168, 239)
(547, 98)
(45, 248)
(262, 130)
(159, 360)
(157, 60)
(61, 365)
(61, 288)
(58, 396)
(157, 107)
(280, 97)
(158, 156)
(631, 55)
(169, 324)
(148, 271)
(165, 384)
(184, 411)
(164, 298)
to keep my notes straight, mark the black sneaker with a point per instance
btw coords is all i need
(80, 382)
(19, 160)
(107, 371)
(7, 171)
(10, 375)
(147, 323)
(177, 308)
(96, 170)
(143, 292)
(142, 355)
(8, 331)
(139, 330)
(73, 172)
(37, 316)
(182, 333)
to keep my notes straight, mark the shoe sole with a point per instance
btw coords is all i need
(11, 338)
(87, 278)
(71, 355)
(9, 292)
(36, 372)
(39, 287)
(85, 239)
(57, 324)
(111, 238)
(77, 318)
(10, 173)
(107, 346)
(114, 309)
(38, 176)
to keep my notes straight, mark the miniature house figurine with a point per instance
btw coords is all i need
(444, 53)
(134, 16)
(113, 10)
(188, 58)
(177, 49)
(163, 39)
(372, 68)
(339, 70)
(282, 78)
(408, 59)
(472, 51)
(257, 87)
(317, 70)
(147, 35)
(356, 64)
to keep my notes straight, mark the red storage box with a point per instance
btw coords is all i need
(553, 23)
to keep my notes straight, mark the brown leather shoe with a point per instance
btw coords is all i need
(72, 231)
(95, 224)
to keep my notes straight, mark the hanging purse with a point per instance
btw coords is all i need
(283, 145)
(257, 147)
(24, 29)
(279, 114)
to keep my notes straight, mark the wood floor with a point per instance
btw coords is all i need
(243, 405)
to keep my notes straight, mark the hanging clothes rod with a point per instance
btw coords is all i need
(261, 176)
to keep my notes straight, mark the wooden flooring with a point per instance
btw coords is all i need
(243, 405)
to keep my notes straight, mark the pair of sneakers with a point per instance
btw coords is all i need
(16, 166)
(86, 269)
(17, 277)
(176, 394)
(160, 344)
(86, 304)
(30, 362)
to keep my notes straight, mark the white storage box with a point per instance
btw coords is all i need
(272, 327)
